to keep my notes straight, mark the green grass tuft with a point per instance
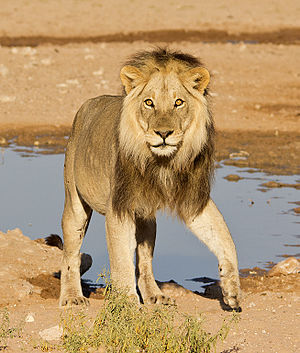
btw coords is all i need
(122, 326)
(6, 331)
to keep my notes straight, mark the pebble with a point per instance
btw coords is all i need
(89, 57)
(73, 82)
(3, 70)
(3, 140)
(7, 99)
(242, 47)
(29, 318)
(51, 334)
(46, 61)
(28, 51)
(99, 72)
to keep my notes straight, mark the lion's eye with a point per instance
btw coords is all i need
(149, 103)
(178, 102)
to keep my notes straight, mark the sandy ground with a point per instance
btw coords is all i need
(54, 55)
(268, 322)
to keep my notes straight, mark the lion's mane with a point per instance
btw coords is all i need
(144, 182)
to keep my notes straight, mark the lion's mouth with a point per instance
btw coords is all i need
(163, 149)
(163, 144)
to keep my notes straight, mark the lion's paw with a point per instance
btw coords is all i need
(160, 299)
(231, 293)
(72, 301)
(233, 302)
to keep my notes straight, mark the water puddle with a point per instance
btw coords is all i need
(261, 219)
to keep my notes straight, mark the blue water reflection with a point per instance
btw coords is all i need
(261, 223)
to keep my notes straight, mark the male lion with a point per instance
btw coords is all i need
(131, 155)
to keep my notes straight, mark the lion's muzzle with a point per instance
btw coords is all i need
(163, 142)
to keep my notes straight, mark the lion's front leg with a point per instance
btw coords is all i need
(145, 236)
(211, 228)
(121, 244)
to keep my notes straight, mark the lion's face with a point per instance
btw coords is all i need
(165, 111)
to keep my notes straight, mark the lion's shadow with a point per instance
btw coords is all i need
(212, 290)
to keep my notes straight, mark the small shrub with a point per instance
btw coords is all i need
(122, 326)
(6, 331)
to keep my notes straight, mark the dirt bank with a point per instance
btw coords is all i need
(29, 289)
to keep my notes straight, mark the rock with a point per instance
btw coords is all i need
(242, 47)
(3, 70)
(7, 99)
(296, 209)
(28, 51)
(233, 177)
(46, 61)
(73, 82)
(89, 57)
(285, 267)
(29, 318)
(52, 334)
(3, 140)
(99, 72)
(271, 184)
(173, 289)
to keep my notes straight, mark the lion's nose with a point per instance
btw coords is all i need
(164, 134)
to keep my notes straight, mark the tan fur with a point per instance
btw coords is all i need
(129, 156)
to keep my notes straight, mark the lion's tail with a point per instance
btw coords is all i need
(54, 240)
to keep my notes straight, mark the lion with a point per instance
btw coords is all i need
(129, 156)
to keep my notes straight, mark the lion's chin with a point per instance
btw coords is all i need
(164, 150)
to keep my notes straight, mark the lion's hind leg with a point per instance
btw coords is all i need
(145, 236)
(211, 228)
(75, 220)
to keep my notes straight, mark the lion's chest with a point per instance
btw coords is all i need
(156, 191)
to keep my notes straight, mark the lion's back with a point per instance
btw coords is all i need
(101, 113)
(91, 149)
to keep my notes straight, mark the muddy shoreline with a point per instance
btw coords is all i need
(272, 153)
(281, 36)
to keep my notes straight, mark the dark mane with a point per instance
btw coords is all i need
(161, 184)
(145, 193)
(162, 56)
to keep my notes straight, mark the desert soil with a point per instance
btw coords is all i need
(54, 55)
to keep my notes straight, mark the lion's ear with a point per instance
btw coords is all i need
(200, 78)
(130, 77)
